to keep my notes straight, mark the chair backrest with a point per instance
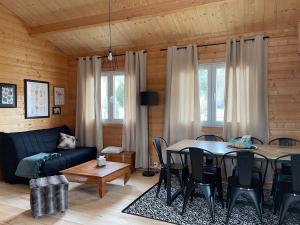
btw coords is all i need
(245, 165)
(245, 160)
(295, 172)
(157, 141)
(285, 142)
(196, 161)
(210, 137)
(254, 140)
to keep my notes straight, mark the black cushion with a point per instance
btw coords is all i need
(69, 158)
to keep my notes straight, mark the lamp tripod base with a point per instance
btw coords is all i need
(148, 173)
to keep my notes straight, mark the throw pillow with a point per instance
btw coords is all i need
(112, 150)
(66, 141)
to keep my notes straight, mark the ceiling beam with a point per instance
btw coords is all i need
(139, 12)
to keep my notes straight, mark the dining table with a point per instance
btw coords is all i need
(219, 149)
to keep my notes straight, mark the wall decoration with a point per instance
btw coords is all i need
(8, 95)
(36, 99)
(59, 96)
(56, 110)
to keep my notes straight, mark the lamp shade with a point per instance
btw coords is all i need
(149, 98)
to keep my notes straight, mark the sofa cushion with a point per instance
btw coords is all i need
(69, 158)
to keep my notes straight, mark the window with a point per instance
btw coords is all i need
(212, 91)
(112, 96)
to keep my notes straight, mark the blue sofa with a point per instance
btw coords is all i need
(16, 146)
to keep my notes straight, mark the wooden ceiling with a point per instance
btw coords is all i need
(80, 26)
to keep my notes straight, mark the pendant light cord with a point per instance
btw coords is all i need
(109, 25)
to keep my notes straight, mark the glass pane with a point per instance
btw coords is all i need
(220, 92)
(104, 97)
(203, 79)
(118, 97)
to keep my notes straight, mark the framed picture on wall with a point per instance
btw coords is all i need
(37, 99)
(56, 110)
(8, 95)
(59, 96)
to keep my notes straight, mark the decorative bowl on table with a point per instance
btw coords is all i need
(252, 147)
(243, 143)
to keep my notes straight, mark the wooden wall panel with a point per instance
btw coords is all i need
(283, 76)
(22, 57)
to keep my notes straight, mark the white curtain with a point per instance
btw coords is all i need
(246, 92)
(135, 133)
(88, 103)
(182, 107)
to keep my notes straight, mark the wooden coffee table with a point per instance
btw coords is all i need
(90, 173)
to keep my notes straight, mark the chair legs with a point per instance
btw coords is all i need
(162, 176)
(219, 186)
(257, 203)
(254, 195)
(286, 202)
(189, 189)
(208, 192)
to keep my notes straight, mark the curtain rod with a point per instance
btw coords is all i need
(100, 57)
(220, 43)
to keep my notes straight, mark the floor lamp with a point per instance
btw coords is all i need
(148, 98)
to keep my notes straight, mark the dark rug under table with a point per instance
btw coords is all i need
(197, 212)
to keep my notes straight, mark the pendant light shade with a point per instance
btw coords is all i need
(110, 55)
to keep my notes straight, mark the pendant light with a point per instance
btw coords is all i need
(110, 55)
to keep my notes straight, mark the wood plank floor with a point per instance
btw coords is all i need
(85, 207)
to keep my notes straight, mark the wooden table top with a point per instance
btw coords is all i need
(91, 169)
(220, 148)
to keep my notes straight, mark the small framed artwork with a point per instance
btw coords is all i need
(37, 99)
(59, 96)
(56, 110)
(8, 95)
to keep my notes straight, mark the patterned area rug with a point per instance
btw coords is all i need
(197, 212)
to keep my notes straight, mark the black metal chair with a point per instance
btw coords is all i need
(280, 180)
(284, 142)
(244, 182)
(256, 170)
(254, 140)
(178, 169)
(209, 164)
(290, 191)
(209, 137)
(199, 177)
(285, 171)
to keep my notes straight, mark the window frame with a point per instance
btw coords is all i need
(211, 79)
(110, 97)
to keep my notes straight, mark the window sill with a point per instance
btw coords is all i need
(212, 126)
(110, 124)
